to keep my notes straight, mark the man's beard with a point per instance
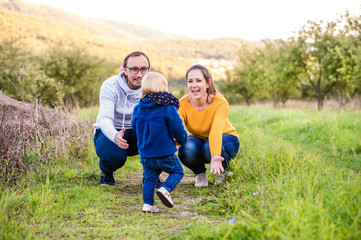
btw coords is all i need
(130, 83)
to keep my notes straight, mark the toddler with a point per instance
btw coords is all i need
(158, 128)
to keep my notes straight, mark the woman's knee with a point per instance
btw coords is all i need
(206, 152)
(230, 145)
(188, 154)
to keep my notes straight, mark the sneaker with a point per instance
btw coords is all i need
(220, 179)
(165, 197)
(107, 180)
(150, 209)
(201, 180)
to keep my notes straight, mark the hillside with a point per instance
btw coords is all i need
(171, 54)
(106, 28)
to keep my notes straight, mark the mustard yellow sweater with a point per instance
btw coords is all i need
(210, 124)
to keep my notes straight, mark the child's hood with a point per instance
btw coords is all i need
(146, 103)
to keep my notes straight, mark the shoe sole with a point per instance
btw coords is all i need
(150, 211)
(219, 183)
(164, 200)
(201, 186)
(107, 185)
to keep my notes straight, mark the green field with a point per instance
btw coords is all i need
(297, 176)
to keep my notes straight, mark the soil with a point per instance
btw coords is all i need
(183, 196)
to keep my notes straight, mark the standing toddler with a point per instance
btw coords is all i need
(158, 128)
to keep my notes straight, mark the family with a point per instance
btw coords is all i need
(137, 115)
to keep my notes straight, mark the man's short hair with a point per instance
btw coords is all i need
(135, 54)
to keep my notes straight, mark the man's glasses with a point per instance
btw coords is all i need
(135, 70)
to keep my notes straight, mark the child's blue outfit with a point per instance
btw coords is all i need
(157, 125)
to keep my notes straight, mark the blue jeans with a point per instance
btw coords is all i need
(152, 167)
(196, 153)
(112, 157)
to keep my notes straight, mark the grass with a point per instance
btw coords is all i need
(297, 176)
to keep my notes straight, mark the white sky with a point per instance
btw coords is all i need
(252, 20)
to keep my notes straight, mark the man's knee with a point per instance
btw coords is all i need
(111, 164)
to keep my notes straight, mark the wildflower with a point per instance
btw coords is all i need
(252, 162)
(232, 220)
(255, 193)
(79, 137)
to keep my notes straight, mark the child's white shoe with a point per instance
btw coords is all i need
(165, 197)
(150, 209)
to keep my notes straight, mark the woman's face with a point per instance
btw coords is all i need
(196, 84)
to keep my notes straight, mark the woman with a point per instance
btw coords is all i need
(212, 139)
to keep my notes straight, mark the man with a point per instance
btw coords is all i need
(114, 139)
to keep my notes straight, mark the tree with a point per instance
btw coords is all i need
(280, 69)
(349, 53)
(78, 75)
(344, 68)
(313, 44)
(246, 79)
(11, 57)
(21, 76)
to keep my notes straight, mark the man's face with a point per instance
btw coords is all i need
(139, 63)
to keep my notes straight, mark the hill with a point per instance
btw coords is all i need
(106, 28)
(170, 54)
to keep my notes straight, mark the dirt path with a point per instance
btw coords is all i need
(183, 196)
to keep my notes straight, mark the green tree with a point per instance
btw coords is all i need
(11, 57)
(344, 68)
(21, 76)
(246, 79)
(313, 42)
(280, 69)
(349, 53)
(78, 74)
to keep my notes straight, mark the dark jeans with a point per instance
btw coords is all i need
(196, 153)
(112, 157)
(152, 167)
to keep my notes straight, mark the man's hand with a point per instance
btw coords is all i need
(216, 165)
(122, 143)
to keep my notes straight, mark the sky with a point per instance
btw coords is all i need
(251, 20)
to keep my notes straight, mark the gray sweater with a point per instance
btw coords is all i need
(116, 104)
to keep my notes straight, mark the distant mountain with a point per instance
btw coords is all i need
(106, 28)
(42, 27)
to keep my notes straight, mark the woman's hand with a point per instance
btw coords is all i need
(216, 165)
(119, 141)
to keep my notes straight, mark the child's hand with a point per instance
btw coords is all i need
(176, 143)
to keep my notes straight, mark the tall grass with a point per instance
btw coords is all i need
(297, 177)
